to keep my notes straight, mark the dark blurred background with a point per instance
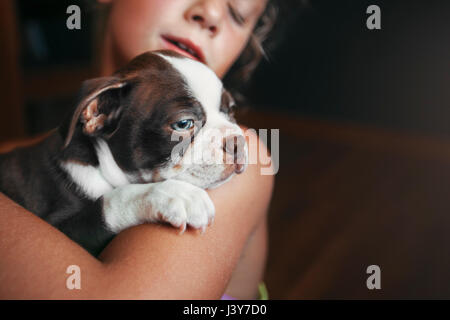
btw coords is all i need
(331, 66)
(364, 135)
(327, 65)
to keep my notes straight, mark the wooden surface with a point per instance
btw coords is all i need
(12, 123)
(347, 197)
(19, 87)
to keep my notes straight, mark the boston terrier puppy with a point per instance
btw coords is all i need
(127, 154)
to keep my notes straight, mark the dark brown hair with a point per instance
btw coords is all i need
(242, 70)
(267, 35)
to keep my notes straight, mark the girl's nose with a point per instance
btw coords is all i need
(208, 14)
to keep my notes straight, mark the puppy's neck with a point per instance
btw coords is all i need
(87, 178)
(108, 166)
(94, 179)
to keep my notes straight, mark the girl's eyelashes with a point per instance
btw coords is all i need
(237, 17)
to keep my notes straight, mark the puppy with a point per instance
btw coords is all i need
(125, 155)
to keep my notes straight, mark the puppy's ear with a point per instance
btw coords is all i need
(99, 107)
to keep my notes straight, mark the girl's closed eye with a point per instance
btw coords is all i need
(236, 15)
(220, 30)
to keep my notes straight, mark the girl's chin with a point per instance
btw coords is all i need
(220, 71)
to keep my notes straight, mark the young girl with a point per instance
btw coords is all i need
(153, 261)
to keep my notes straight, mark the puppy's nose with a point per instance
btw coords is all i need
(234, 145)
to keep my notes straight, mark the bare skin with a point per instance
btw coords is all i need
(145, 262)
(154, 261)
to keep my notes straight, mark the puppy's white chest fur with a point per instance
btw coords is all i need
(94, 182)
(176, 202)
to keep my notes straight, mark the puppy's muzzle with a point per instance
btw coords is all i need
(235, 151)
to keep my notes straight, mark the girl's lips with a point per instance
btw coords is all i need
(197, 53)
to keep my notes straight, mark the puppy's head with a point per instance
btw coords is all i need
(162, 116)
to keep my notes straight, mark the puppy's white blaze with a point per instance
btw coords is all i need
(204, 85)
(108, 166)
(202, 82)
(88, 179)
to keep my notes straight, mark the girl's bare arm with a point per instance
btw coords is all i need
(148, 261)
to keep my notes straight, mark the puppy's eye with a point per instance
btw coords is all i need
(182, 125)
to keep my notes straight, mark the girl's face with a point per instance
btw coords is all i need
(212, 31)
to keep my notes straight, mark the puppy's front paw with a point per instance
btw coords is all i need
(181, 203)
(176, 202)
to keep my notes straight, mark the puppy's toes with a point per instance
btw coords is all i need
(182, 228)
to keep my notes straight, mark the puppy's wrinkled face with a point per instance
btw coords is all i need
(176, 122)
